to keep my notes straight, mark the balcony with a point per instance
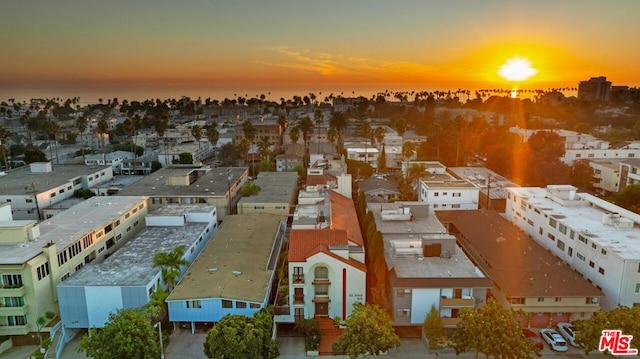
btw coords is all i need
(7, 311)
(13, 329)
(321, 281)
(11, 291)
(298, 279)
(298, 299)
(450, 322)
(458, 302)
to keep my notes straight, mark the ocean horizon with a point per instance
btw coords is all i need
(90, 95)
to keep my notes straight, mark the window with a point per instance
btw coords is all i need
(321, 289)
(79, 266)
(28, 200)
(558, 299)
(126, 216)
(321, 273)
(457, 194)
(562, 228)
(258, 208)
(572, 234)
(552, 222)
(117, 223)
(530, 222)
(110, 243)
(43, 270)
(403, 312)
(436, 194)
(406, 292)
(601, 270)
(15, 320)
(580, 256)
(196, 304)
(52, 194)
(591, 264)
(637, 287)
(61, 191)
(570, 251)
(560, 245)
(455, 206)
(551, 236)
(227, 303)
(603, 251)
(298, 296)
(593, 245)
(516, 300)
(257, 306)
(241, 305)
(64, 277)
(540, 299)
(540, 231)
(128, 228)
(119, 237)
(299, 313)
(136, 223)
(583, 239)
(298, 275)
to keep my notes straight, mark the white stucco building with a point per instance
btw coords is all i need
(594, 237)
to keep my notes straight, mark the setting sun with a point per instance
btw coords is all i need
(517, 69)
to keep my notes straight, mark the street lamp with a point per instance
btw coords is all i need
(229, 177)
(159, 326)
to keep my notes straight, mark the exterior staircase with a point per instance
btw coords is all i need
(329, 333)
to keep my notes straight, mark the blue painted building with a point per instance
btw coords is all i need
(235, 272)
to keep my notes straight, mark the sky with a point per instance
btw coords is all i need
(121, 48)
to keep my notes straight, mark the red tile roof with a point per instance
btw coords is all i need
(343, 216)
(304, 243)
(323, 179)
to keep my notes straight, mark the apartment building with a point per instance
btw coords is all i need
(235, 272)
(220, 187)
(594, 237)
(278, 193)
(525, 276)
(426, 267)
(30, 189)
(127, 279)
(606, 174)
(113, 159)
(441, 189)
(327, 272)
(594, 89)
(34, 259)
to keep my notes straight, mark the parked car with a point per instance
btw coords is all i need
(568, 331)
(534, 338)
(554, 339)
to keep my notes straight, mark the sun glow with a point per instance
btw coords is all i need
(517, 69)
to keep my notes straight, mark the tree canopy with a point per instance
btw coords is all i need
(239, 336)
(493, 331)
(369, 332)
(127, 334)
(621, 318)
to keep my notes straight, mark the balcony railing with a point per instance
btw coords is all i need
(13, 329)
(298, 279)
(321, 281)
(450, 321)
(458, 302)
(298, 299)
(7, 311)
(12, 291)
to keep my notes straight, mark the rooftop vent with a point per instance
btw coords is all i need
(236, 272)
(212, 270)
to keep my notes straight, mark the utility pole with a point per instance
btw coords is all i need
(32, 187)
(488, 191)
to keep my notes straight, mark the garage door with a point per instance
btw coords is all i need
(524, 320)
(539, 320)
(559, 317)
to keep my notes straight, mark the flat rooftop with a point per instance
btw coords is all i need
(423, 222)
(243, 244)
(213, 183)
(275, 187)
(481, 176)
(15, 180)
(585, 217)
(132, 265)
(65, 228)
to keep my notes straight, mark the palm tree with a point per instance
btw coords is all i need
(213, 135)
(243, 148)
(407, 149)
(282, 122)
(196, 132)
(3, 136)
(102, 128)
(379, 134)
(294, 133)
(161, 125)
(263, 147)
(306, 127)
(332, 135)
(171, 264)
